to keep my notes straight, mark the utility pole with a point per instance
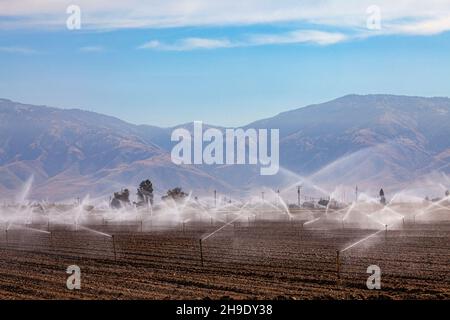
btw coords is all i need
(114, 248)
(338, 265)
(201, 252)
(215, 198)
(356, 193)
(299, 192)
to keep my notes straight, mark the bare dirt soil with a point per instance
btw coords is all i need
(258, 260)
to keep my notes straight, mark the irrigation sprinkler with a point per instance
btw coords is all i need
(216, 231)
(385, 231)
(201, 252)
(338, 265)
(302, 227)
(184, 227)
(141, 225)
(338, 252)
(361, 241)
(6, 237)
(114, 247)
(403, 221)
(343, 225)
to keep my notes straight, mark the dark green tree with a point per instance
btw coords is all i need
(145, 193)
(175, 194)
(120, 199)
(382, 198)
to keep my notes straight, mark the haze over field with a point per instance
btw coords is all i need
(396, 142)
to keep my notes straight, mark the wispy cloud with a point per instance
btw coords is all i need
(411, 17)
(421, 27)
(92, 49)
(298, 36)
(188, 44)
(19, 50)
(157, 13)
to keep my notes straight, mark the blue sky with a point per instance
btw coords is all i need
(220, 72)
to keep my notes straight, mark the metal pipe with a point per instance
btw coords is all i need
(114, 247)
(201, 252)
(338, 265)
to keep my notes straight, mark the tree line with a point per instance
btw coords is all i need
(144, 195)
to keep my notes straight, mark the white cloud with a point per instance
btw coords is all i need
(91, 49)
(158, 13)
(422, 27)
(154, 44)
(188, 44)
(20, 50)
(298, 36)
(411, 17)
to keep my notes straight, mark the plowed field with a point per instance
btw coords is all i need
(262, 260)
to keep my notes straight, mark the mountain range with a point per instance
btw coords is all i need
(396, 142)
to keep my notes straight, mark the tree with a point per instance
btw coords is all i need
(175, 194)
(382, 198)
(145, 193)
(120, 198)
